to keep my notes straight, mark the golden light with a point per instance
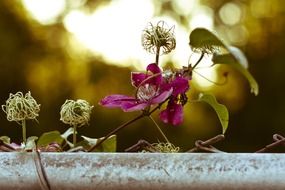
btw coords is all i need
(184, 7)
(204, 75)
(113, 31)
(261, 8)
(202, 16)
(230, 13)
(44, 11)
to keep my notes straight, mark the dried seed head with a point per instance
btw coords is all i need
(19, 107)
(75, 112)
(158, 36)
(163, 148)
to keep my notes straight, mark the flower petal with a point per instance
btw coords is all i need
(180, 85)
(162, 97)
(133, 106)
(173, 114)
(137, 78)
(116, 100)
(155, 77)
(154, 68)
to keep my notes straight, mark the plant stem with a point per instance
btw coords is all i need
(74, 135)
(24, 131)
(157, 54)
(200, 59)
(159, 129)
(125, 124)
(115, 131)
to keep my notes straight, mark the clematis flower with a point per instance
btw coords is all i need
(154, 87)
(149, 91)
(173, 113)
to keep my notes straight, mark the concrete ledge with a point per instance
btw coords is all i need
(142, 171)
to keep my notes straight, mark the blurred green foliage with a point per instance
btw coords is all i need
(40, 58)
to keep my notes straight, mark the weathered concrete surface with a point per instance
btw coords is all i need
(144, 171)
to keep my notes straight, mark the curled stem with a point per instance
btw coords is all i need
(199, 60)
(159, 129)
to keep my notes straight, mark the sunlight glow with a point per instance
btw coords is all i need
(204, 71)
(202, 16)
(230, 14)
(184, 7)
(113, 30)
(45, 11)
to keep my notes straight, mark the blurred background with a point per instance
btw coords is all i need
(66, 49)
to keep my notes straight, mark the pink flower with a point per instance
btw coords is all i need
(173, 113)
(153, 88)
(148, 92)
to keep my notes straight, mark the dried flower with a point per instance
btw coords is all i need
(162, 147)
(158, 37)
(19, 107)
(75, 113)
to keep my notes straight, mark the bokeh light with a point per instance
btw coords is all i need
(113, 30)
(230, 13)
(45, 11)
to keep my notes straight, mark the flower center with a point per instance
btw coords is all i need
(146, 92)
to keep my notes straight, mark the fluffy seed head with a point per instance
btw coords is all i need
(158, 36)
(19, 107)
(75, 113)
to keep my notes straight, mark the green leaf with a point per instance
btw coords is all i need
(239, 62)
(204, 40)
(50, 137)
(5, 139)
(31, 143)
(220, 109)
(109, 145)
